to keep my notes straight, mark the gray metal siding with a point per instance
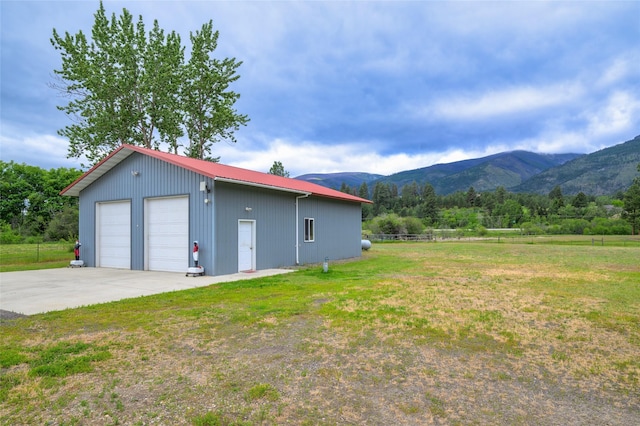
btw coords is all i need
(338, 227)
(156, 179)
(274, 213)
(337, 223)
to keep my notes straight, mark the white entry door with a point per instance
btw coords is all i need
(246, 245)
(167, 234)
(113, 235)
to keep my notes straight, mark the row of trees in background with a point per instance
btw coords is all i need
(31, 207)
(414, 208)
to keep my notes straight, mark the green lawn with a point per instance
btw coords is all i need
(413, 333)
(23, 257)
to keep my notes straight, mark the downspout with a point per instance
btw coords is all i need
(298, 228)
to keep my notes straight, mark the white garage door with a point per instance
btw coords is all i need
(167, 234)
(113, 235)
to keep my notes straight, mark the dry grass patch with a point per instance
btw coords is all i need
(411, 334)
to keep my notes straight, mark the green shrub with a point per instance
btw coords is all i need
(8, 235)
(481, 231)
(63, 226)
(388, 224)
(413, 225)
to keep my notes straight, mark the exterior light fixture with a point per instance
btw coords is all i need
(135, 173)
(248, 209)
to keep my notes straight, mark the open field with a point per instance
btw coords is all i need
(22, 257)
(414, 333)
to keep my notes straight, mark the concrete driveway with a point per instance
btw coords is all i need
(34, 292)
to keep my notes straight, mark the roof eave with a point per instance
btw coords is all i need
(124, 151)
(260, 185)
(97, 171)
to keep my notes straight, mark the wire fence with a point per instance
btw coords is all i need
(19, 254)
(453, 235)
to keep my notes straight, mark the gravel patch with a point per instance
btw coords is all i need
(8, 316)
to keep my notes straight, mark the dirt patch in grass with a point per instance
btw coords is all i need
(311, 372)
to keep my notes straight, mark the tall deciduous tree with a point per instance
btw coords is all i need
(129, 86)
(207, 101)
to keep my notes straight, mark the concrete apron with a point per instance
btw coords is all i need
(34, 292)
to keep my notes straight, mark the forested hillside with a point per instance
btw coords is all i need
(337, 180)
(506, 169)
(604, 172)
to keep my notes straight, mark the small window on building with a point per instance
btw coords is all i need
(309, 229)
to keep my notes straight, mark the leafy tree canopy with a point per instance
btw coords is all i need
(127, 85)
(30, 195)
(278, 169)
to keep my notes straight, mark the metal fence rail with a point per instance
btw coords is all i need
(400, 237)
(600, 240)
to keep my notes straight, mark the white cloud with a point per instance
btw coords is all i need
(614, 72)
(45, 151)
(501, 102)
(613, 121)
(617, 116)
(309, 157)
(608, 124)
(556, 142)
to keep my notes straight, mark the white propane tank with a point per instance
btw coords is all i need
(366, 244)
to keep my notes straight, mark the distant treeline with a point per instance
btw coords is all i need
(32, 210)
(414, 208)
(31, 207)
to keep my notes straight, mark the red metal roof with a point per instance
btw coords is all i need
(215, 171)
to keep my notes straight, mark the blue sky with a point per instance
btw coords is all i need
(369, 86)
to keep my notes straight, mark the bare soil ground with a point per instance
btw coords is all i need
(322, 375)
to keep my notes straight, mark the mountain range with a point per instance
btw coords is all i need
(603, 172)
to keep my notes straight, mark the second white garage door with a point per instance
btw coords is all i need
(167, 234)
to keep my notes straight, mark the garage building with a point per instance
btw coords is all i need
(142, 209)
